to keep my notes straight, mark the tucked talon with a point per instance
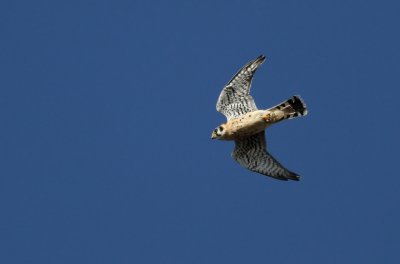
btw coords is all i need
(268, 117)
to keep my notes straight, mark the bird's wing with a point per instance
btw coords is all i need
(235, 99)
(252, 154)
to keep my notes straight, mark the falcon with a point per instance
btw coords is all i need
(246, 124)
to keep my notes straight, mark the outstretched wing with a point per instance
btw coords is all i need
(235, 99)
(252, 154)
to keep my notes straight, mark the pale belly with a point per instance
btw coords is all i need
(247, 125)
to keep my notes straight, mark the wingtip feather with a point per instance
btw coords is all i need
(260, 59)
(293, 176)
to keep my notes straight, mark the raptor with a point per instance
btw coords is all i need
(246, 124)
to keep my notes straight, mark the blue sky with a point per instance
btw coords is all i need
(106, 111)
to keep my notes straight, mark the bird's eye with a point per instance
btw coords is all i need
(221, 128)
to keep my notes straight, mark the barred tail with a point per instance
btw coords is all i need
(291, 108)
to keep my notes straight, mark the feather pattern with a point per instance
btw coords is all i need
(252, 154)
(235, 99)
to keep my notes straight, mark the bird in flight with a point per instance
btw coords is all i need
(246, 124)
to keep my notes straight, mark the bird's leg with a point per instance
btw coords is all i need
(269, 117)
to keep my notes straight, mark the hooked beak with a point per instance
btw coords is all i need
(213, 135)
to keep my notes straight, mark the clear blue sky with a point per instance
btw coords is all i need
(106, 111)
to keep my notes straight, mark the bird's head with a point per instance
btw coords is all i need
(218, 132)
